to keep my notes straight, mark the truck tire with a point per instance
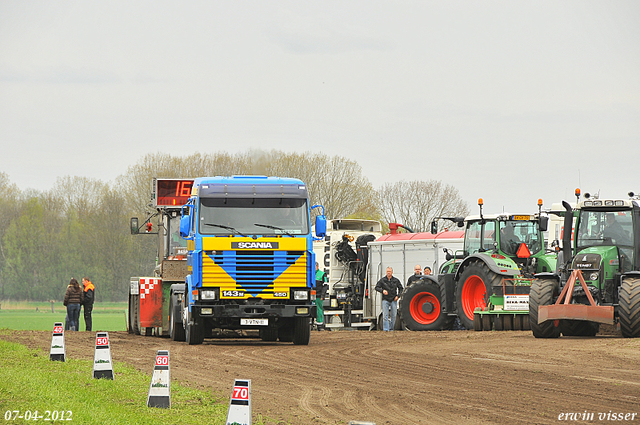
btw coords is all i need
(269, 334)
(543, 292)
(579, 328)
(629, 312)
(421, 308)
(301, 330)
(473, 290)
(176, 329)
(285, 331)
(193, 331)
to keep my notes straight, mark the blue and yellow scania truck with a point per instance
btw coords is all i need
(250, 260)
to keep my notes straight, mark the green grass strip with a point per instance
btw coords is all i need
(30, 381)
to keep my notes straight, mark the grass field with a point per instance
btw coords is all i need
(37, 316)
(29, 381)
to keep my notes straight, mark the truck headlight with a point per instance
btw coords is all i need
(206, 311)
(302, 310)
(208, 295)
(300, 295)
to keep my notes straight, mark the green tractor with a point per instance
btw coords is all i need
(487, 284)
(599, 280)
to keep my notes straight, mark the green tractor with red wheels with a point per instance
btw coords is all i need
(486, 285)
(598, 281)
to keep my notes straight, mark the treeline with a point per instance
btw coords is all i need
(81, 226)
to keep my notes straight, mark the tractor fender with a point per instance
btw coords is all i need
(632, 273)
(547, 275)
(491, 263)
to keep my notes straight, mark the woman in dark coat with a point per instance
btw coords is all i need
(72, 300)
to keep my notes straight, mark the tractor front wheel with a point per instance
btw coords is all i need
(629, 301)
(473, 290)
(420, 308)
(543, 292)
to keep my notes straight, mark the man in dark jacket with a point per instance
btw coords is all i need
(391, 289)
(416, 276)
(89, 297)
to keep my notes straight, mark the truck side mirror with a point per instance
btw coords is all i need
(321, 226)
(185, 226)
(134, 226)
(434, 227)
(544, 224)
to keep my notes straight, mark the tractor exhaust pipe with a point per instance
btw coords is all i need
(566, 233)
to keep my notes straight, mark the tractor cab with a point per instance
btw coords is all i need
(606, 244)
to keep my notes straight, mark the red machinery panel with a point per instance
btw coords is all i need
(150, 302)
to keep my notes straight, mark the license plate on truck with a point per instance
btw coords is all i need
(254, 322)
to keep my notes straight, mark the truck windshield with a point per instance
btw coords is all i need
(605, 228)
(253, 216)
(514, 233)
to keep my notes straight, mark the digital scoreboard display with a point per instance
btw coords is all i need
(172, 192)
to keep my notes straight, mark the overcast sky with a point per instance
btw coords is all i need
(510, 101)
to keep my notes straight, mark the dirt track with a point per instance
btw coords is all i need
(453, 377)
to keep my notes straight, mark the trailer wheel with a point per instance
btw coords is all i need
(473, 290)
(629, 301)
(477, 320)
(176, 329)
(301, 330)
(134, 308)
(421, 308)
(508, 322)
(517, 322)
(543, 292)
(579, 328)
(487, 324)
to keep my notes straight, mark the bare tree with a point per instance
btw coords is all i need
(416, 203)
(335, 182)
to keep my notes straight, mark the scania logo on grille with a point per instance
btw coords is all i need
(254, 245)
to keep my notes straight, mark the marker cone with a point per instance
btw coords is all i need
(160, 388)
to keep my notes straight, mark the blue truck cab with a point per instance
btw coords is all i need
(250, 260)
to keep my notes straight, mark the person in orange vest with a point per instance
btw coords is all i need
(89, 297)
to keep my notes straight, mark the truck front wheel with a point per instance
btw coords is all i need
(176, 329)
(301, 330)
(193, 331)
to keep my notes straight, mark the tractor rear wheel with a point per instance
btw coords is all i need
(543, 292)
(629, 301)
(473, 290)
(420, 308)
(578, 328)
